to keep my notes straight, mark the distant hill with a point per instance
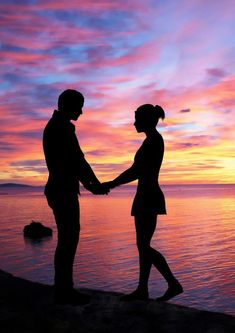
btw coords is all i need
(14, 185)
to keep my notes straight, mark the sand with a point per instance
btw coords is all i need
(27, 306)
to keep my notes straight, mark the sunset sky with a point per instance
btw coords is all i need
(120, 54)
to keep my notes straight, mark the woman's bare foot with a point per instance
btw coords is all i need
(172, 291)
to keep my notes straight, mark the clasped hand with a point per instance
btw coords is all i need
(101, 188)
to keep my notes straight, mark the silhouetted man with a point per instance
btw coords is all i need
(67, 166)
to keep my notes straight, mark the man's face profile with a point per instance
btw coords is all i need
(74, 109)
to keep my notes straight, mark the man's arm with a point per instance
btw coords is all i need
(85, 173)
(88, 178)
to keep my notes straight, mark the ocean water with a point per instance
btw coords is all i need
(197, 237)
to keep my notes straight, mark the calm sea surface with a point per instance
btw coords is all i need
(197, 237)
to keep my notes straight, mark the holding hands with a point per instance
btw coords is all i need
(100, 188)
(108, 185)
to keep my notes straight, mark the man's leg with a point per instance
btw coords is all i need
(66, 211)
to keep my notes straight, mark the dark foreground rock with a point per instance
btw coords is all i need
(27, 307)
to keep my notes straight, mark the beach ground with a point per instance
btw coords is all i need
(28, 307)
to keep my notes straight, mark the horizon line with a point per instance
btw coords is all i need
(182, 184)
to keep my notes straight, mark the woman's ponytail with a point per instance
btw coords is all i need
(160, 111)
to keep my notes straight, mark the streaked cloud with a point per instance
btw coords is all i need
(185, 111)
(120, 54)
(217, 72)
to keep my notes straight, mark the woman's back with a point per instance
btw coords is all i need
(148, 160)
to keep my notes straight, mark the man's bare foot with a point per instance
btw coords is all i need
(72, 297)
(172, 291)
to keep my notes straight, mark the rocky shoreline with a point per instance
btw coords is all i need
(28, 307)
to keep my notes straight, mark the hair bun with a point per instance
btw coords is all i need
(160, 111)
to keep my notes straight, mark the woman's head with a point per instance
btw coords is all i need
(147, 116)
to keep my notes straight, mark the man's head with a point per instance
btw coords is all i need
(71, 102)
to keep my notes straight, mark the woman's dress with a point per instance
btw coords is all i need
(149, 198)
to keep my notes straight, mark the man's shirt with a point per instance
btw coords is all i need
(64, 158)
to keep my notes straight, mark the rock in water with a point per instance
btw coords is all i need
(37, 230)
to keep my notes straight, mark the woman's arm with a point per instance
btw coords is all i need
(125, 177)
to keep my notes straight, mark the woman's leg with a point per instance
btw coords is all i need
(145, 227)
(174, 287)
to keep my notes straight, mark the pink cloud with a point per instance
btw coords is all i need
(172, 58)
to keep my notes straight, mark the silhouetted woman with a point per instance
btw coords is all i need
(149, 202)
